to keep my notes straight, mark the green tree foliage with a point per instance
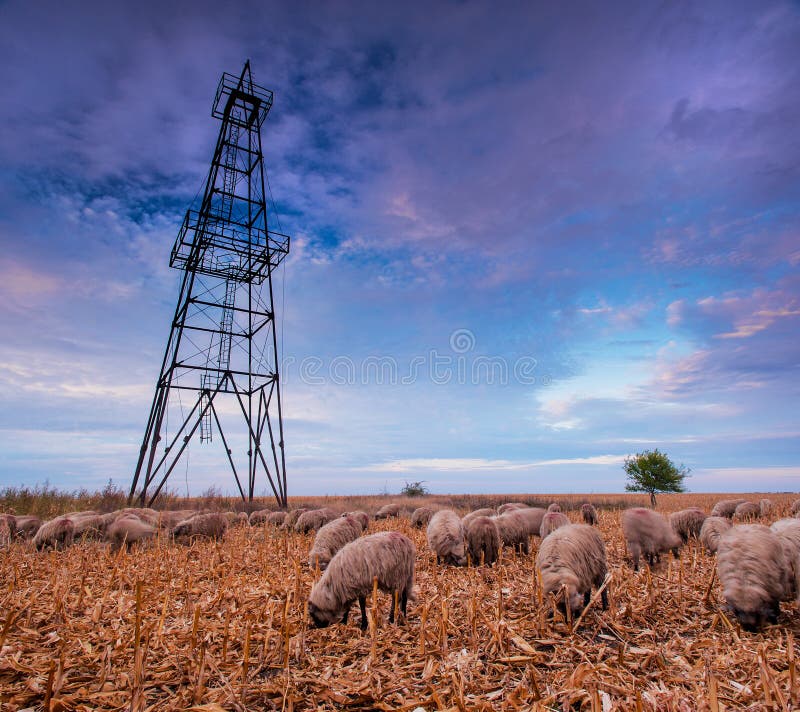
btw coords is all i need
(414, 489)
(652, 471)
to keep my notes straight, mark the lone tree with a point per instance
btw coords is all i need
(652, 471)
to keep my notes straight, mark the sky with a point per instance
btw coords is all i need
(528, 239)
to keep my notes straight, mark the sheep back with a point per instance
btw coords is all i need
(445, 534)
(57, 533)
(649, 533)
(746, 511)
(483, 512)
(509, 506)
(313, 519)
(726, 507)
(552, 521)
(361, 517)
(513, 529)
(127, 529)
(293, 516)
(687, 522)
(421, 516)
(388, 510)
(211, 525)
(483, 540)
(330, 538)
(713, 528)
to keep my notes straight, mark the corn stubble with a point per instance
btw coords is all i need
(218, 626)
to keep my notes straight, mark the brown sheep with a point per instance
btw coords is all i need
(211, 525)
(533, 517)
(385, 556)
(261, 516)
(513, 528)
(128, 529)
(445, 535)
(788, 531)
(169, 519)
(89, 526)
(573, 556)
(589, 513)
(752, 571)
(361, 517)
(713, 528)
(293, 516)
(146, 514)
(27, 526)
(687, 523)
(483, 540)
(765, 505)
(726, 507)
(485, 512)
(313, 519)
(746, 512)
(510, 506)
(58, 533)
(388, 510)
(8, 528)
(421, 516)
(554, 507)
(649, 533)
(552, 521)
(330, 538)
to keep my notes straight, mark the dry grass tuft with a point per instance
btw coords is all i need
(223, 625)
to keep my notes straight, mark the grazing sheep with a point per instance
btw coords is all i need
(483, 540)
(589, 513)
(58, 533)
(485, 512)
(128, 529)
(261, 516)
(388, 510)
(765, 505)
(146, 514)
(713, 528)
(27, 526)
(554, 507)
(361, 517)
(8, 528)
(169, 519)
(510, 506)
(788, 531)
(513, 529)
(726, 507)
(421, 516)
(293, 516)
(796, 507)
(533, 517)
(211, 525)
(746, 511)
(573, 556)
(89, 526)
(330, 538)
(445, 534)
(687, 522)
(552, 521)
(752, 572)
(277, 519)
(649, 533)
(385, 556)
(313, 519)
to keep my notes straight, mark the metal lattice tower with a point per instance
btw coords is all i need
(223, 342)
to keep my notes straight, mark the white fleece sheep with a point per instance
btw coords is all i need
(330, 538)
(752, 572)
(713, 528)
(385, 556)
(573, 556)
(445, 534)
(649, 533)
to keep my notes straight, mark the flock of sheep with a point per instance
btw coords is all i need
(758, 566)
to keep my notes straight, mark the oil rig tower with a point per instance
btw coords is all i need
(223, 344)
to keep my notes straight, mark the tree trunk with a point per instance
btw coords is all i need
(653, 499)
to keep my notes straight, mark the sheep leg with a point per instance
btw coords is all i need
(391, 610)
(346, 612)
(604, 598)
(362, 601)
(404, 601)
(586, 598)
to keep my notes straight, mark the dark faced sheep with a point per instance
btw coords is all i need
(746, 512)
(58, 533)
(128, 529)
(687, 523)
(726, 507)
(445, 535)
(713, 528)
(313, 519)
(552, 521)
(293, 516)
(330, 538)
(388, 510)
(649, 533)
(509, 506)
(573, 556)
(513, 529)
(421, 516)
(752, 571)
(385, 556)
(361, 517)
(589, 513)
(483, 540)
(211, 525)
(484, 512)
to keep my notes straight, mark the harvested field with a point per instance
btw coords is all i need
(222, 625)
